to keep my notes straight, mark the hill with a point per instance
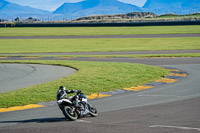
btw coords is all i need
(115, 18)
(95, 7)
(137, 17)
(11, 9)
(172, 6)
(70, 11)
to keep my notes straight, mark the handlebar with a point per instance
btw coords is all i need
(78, 92)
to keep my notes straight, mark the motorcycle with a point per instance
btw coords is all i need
(76, 106)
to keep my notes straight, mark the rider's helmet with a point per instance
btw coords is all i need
(62, 88)
(60, 92)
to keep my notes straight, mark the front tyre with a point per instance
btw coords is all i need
(70, 113)
(93, 110)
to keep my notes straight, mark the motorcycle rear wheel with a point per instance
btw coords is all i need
(93, 110)
(67, 112)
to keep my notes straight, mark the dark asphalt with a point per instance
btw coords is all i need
(102, 36)
(132, 120)
(168, 108)
(16, 76)
(148, 61)
(129, 112)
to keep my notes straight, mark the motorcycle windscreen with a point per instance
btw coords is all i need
(84, 98)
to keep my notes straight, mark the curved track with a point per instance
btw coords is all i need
(168, 108)
(16, 76)
(161, 106)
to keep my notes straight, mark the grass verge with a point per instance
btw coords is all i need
(154, 55)
(92, 77)
(133, 55)
(107, 56)
(92, 45)
(74, 31)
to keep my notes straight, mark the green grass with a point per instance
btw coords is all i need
(91, 45)
(92, 77)
(59, 31)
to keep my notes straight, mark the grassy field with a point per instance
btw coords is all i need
(60, 31)
(89, 45)
(92, 77)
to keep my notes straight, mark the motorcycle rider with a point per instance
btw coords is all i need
(62, 94)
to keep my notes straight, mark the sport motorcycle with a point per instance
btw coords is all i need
(75, 106)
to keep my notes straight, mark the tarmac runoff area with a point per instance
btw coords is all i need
(142, 109)
(16, 76)
(167, 107)
(174, 76)
(24, 75)
(156, 110)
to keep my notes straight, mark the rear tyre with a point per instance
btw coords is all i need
(70, 113)
(93, 110)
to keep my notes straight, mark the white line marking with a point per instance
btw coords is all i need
(177, 127)
(83, 121)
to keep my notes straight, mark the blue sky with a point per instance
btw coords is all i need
(51, 5)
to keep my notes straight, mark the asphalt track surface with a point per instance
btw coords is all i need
(16, 76)
(102, 36)
(167, 108)
(147, 61)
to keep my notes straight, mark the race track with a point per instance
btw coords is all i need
(16, 76)
(147, 104)
(167, 108)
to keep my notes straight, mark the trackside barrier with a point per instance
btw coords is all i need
(168, 23)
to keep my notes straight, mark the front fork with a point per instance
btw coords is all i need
(81, 111)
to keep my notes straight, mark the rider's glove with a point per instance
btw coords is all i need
(79, 91)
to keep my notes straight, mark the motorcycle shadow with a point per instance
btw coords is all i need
(39, 120)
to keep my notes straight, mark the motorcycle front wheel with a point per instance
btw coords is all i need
(93, 110)
(70, 113)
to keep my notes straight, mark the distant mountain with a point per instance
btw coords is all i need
(96, 7)
(11, 9)
(69, 11)
(109, 7)
(172, 6)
